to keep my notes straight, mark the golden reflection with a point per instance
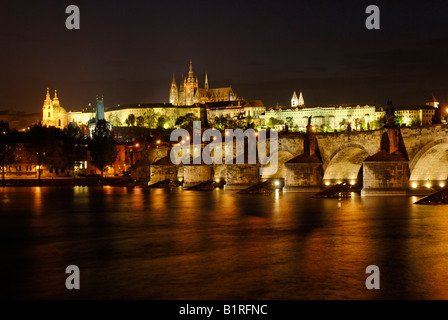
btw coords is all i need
(137, 200)
(80, 190)
(427, 249)
(37, 204)
(158, 198)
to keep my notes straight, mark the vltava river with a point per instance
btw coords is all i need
(133, 243)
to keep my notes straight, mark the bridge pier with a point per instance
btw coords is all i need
(385, 178)
(161, 170)
(303, 177)
(387, 172)
(304, 173)
(242, 176)
(197, 173)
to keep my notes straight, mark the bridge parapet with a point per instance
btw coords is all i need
(416, 138)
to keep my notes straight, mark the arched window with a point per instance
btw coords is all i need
(49, 114)
(59, 122)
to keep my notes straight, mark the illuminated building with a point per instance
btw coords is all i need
(53, 115)
(189, 92)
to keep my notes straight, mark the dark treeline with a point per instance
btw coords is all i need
(56, 149)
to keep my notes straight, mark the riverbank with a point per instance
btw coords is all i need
(64, 182)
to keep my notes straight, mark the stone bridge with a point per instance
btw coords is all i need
(344, 157)
(343, 153)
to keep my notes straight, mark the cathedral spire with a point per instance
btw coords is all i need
(56, 99)
(190, 73)
(174, 80)
(294, 100)
(48, 94)
(206, 82)
(301, 101)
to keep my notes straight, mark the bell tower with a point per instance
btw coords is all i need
(47, 110)
(174, 93)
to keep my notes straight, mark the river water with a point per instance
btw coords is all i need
(134, 243)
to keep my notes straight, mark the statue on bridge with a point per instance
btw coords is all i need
(390, 114)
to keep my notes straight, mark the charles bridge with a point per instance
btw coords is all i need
(391, 160)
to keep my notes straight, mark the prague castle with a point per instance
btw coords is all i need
(185, 99)
(211, 103)
(189, 92)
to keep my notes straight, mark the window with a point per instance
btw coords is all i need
(49, 114)
(59, 122)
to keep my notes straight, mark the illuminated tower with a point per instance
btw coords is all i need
(53, 115)
(174, 94)
(301, 101)
(206, 82)
(190, 87)
(294, 100)
(99, 113)
(433, 102)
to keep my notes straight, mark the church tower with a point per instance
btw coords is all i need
(206, 82)
(56, 99)
(174, 94)
(190, 87)
(294, 100)
(99, 113)
(301, 101)
(47, 110)
(433, 102)
(53, 115)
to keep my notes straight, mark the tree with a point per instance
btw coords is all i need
(41, 147)
(222, 123)
(274, 122)
(103, 150)
(140, 121)
(186, 121)
(378, 124)
(130, 120)
(150, 118)
(343, 124)
(290, 122)
(161, 122)
(115, 121)
(398, 120)
(357, 123)
(73, 146)
(7, 147)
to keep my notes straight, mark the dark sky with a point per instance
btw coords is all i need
(128, 51)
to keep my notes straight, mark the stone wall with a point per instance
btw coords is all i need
(240, 176)
(385, 177)
(303, 176)
(162, 172)
(195, 174)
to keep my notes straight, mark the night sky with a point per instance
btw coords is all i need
(128, 51)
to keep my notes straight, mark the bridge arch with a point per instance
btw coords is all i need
(429, 167)
(283, 156)
(345, 164)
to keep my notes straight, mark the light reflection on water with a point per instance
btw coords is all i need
(132, 243)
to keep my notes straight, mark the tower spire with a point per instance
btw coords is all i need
(174, 79)
(301, 101)
(48, 93)
(294, 100)
(206, 82)
(190, 72)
